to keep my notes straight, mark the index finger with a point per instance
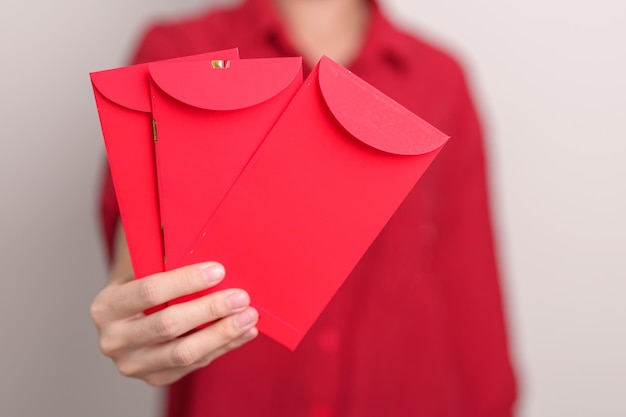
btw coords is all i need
(131, 298)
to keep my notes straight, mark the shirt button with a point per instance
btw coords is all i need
(320, 410)
(328, 340)
(430, 234)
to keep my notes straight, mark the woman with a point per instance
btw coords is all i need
(417, 329)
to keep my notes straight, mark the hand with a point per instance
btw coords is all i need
(152, 348)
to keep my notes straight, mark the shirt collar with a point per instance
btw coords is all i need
(382, 42)
(263, 15)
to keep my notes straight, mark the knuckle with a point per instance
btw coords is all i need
(191, 279)
(227, 330)
(97, 310)
(149, 292)
(127, 369)
(215, 309)
(157, 381)
(205, 361)
(183, 355)
(109, 346)
(167, 325)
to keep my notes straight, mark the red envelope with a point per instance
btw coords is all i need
(209, 123)
(330, 174)
(124, 106)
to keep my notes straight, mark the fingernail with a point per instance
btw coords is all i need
(246, 318)
(238, 300)
(249, 334)
(213, 272)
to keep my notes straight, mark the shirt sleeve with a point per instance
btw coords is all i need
(466, 263)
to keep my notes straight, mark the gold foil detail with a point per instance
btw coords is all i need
(220, 63)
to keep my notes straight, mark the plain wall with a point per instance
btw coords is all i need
(549, 77)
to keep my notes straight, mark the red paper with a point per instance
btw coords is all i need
(124, 106)
(209, 122)
(320, 188)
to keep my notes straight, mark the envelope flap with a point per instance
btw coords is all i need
(226, 85)
(372, 117)
(128, 86)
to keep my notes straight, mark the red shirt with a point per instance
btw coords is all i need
(418, 328)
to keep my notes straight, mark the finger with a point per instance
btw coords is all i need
(179, 319)
(134, 297)
(166, 377)
(197, 348)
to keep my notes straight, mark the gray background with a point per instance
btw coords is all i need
(550, 80)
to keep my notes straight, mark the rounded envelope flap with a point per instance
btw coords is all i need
(226, 85)
(372, 117)
(128, 87)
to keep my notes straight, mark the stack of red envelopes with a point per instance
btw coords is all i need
(284, 182)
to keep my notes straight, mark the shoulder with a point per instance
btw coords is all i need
(429, 60)
(188, 35)
(427, 78)
(210, 23)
